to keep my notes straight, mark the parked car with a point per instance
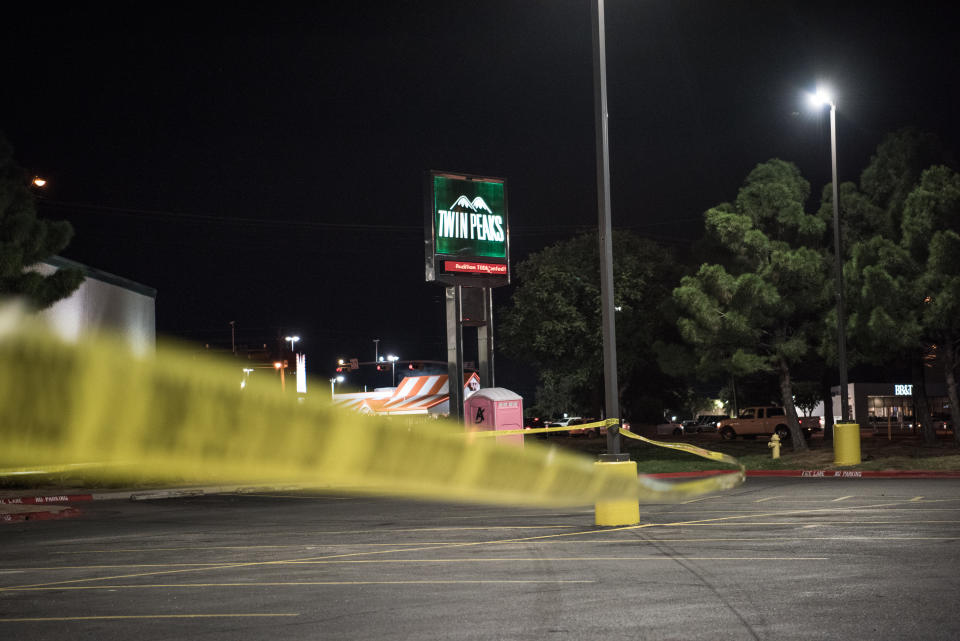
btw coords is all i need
(601, 430)
(580, 421)
(709, 422)
(765, 420)
(671, 427)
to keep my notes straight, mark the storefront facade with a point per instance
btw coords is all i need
(883, 403)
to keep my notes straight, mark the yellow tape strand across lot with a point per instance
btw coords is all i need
(179, 416)
(698, 486)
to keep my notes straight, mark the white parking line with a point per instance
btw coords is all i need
(843, 498)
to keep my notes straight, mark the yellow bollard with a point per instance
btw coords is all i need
(621, 512)
(846, 444)
(775, 445)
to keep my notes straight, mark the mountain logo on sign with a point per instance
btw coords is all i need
(466, 220)
(477, 204)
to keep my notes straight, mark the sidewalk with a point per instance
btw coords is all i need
(38, 504)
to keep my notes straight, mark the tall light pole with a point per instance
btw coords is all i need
(611, 391)
(376, 350)
(393, 367)
(334, 381)
(820, 98)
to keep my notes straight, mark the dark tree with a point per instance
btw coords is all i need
(759, 309)
(553, 323)
(889, 250)
(26, 240)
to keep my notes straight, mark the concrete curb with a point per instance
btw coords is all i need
(820, 474)
(21, 508)
(10, 516)
(142, 495)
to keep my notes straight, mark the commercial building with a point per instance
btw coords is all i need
(104, 302)
(879, 403)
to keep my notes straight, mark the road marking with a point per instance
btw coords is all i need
(916, 498)
(766, 539)
(255, 584)
(703, 498)
(769, 498)
(843, 498)
(116, 565)
(505, 559)
(254, 547)
(570, 559)
(150, 616)
(228, 566)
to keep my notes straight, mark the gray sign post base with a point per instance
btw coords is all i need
(470, 307)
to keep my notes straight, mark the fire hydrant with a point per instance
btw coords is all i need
(774, 444)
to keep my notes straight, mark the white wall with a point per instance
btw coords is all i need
(104, 302)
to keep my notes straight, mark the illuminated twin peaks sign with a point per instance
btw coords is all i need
(467, 234)
(466, 220)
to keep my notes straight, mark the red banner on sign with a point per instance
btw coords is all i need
(474, 268)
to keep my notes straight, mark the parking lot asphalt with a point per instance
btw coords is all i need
(773, 559)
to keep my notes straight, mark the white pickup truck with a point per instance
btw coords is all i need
(766, 420)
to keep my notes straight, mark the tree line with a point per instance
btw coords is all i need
(753, 305)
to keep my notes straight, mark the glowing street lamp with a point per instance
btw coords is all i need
(39, 182)
(281, 366)
(393, 367)
(333, 382)
(819, 99)
(292, 340)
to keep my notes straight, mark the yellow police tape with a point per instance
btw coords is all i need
(179, 416)
(706, 485)
(542, 430)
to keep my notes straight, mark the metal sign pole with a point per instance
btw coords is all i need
(485, 341)
(454, 311)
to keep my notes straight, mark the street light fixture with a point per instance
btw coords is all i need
(819, 99)
(292, 340)
(393, 367)
(333, 382)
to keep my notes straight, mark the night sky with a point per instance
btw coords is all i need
(265, 167)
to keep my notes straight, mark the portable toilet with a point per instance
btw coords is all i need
(495, 408)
